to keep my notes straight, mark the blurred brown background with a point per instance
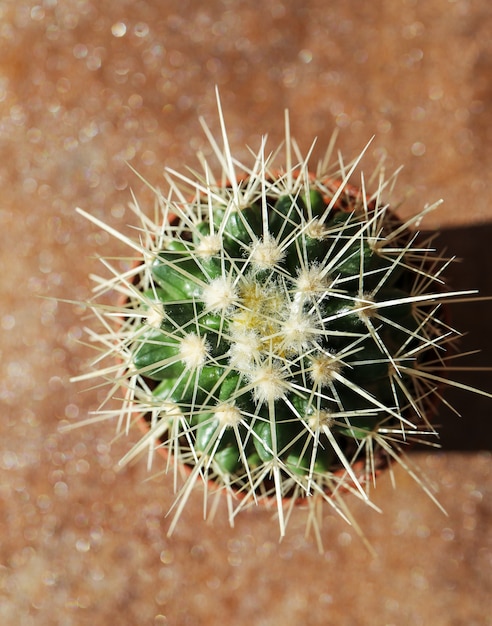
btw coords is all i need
(86, 86)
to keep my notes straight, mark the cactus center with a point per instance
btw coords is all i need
(270, 322)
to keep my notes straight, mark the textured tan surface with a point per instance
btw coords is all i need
(86, 86)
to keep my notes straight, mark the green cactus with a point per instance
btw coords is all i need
(281, 333)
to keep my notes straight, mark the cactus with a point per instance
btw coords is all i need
(281, 332)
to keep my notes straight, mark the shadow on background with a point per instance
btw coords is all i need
(473, 270)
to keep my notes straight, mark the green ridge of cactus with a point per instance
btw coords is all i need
(281, 332)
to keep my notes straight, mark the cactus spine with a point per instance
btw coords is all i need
(281, 332)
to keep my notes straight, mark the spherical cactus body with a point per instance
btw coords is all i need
(281, 329)
(281, 332)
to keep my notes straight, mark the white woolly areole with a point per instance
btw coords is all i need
(268, 383)
(245, 349)
(319, 419)
(324, 368)
(312, 281)
(156, 315)
(193, 350)
(317, 230)
(297, 331)
(209, 246)
(266, 253)
(171, 410)
(219, 295)
(364, 307)
(228, 415)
